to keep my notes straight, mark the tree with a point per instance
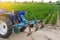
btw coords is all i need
(59, 1)
(0, 0)
(50, 1)
(14, 1)
(42, 1)
(32, 1)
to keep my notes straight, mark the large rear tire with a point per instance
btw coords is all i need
(5, 26)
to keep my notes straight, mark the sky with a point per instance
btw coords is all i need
(28, 0)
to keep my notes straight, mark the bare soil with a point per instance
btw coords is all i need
(43, 34)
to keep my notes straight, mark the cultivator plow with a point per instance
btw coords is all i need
(8, 22)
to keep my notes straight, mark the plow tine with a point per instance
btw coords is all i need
(36, 27)
(30, 32)
(36, 24)
(42, 26)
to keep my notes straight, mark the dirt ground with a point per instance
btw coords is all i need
(43, 34)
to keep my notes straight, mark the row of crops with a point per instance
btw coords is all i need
(59, 9)
(43, 11)
(52, 17)
(49, 16)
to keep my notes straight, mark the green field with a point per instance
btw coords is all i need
(45, 11)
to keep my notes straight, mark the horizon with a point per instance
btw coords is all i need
(27, 0)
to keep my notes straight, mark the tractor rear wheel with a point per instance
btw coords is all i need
(5, 27)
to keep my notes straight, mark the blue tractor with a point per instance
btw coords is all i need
(8, 22)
